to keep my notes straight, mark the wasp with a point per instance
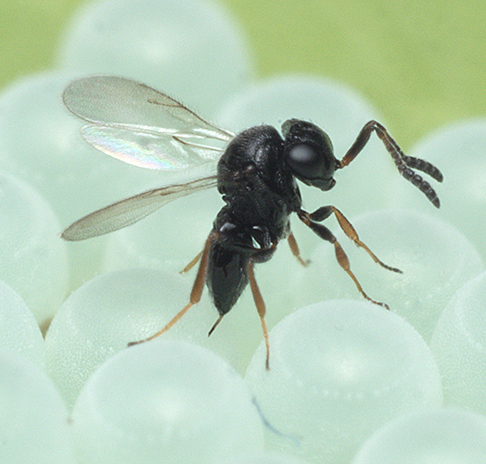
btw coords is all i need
(256, 172)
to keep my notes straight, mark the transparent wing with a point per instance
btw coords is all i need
(131, 210)
(148, 149)
(141, 126)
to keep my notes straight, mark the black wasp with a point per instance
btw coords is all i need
(256, 175)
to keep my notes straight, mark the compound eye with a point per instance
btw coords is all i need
(305, 160)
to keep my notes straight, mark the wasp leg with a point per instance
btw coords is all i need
(403, 162)
(192, 263)
(260, 305)
(349, 230)
(341, 256)
(294, 248)
(196, 292)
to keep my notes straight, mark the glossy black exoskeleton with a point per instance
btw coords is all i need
(256, 174)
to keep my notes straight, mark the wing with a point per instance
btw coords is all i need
(141, 126)
(131, 210)
(150, 150)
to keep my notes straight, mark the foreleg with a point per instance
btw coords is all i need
(342, 258)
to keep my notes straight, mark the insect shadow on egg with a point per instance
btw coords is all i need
(256, 173)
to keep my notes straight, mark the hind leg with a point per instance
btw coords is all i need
(260, 305)
(196, 291)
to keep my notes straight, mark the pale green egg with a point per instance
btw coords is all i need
(169, 401)
(340, 369)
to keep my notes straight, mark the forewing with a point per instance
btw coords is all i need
(141, 126)
(131, 210)
(115, 101)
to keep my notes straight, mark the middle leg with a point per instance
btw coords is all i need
(294, 248)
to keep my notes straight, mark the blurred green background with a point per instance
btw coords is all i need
(421, 63)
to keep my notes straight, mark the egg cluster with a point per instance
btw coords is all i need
(350, 382)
